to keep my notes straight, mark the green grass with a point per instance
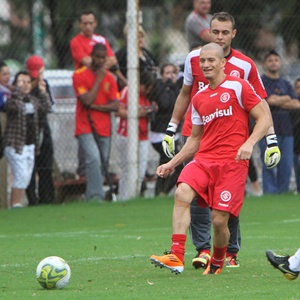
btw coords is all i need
(108, 246)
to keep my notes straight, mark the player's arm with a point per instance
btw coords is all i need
(263, 123)
(181, 106)
(188, 151)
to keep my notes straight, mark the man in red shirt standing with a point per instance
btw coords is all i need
(81, 48)
(82, 44)
(97, 94)
(221, 149)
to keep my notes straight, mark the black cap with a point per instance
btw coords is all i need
(271, 52)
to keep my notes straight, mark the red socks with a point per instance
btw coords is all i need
(218, 256)
(178, 245)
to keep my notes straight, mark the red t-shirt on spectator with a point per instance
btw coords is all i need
(82, 46)
(83, 81)
(143, 122)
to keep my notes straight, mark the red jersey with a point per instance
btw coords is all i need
(224, 113)
(143, 122)
(238, 65)
(82, 46)
(83, 81)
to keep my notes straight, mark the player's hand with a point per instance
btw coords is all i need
(168, 145)
(164, 170)
(168, 142)
(272, 157)
(272, 152)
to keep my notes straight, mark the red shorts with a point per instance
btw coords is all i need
(220, 185)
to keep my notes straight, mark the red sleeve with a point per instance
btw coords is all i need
(109, 52)
(256, 82)
(79, 84)
(78, 51)
(249, 96)
(113, 91)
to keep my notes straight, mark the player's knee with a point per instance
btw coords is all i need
(184, 193)
(220, 220)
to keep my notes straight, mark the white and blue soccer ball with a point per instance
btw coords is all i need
(53, 272)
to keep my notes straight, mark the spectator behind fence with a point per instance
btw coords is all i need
(81, 48)
(21, 137)
(197, 24)
(41, 187)
(282, 100)
(220, 149)
(82, 44)
(163, 95)
(97, 96)
(296, 126)
(145, 111)
(147, 60)
(5, 86)
(5, 93)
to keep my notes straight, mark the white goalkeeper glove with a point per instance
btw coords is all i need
(272, 152)
(168, 142)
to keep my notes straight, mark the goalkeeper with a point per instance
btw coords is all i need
(239, 65)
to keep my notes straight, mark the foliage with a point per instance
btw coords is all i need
(59, 24)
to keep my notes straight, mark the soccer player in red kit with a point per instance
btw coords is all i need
(222, 31)
(222, 147)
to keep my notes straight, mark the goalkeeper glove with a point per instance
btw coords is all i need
(168, 142)
(272, 152)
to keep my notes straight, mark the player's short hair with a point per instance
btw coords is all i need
(271, 52)
(99, 47)
(86, 12)
(297, 80)
(224, 17)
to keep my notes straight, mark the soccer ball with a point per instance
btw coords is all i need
(53, 273)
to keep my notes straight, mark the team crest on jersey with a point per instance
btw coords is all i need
(235, 73)
(224, 97)
(225, 196)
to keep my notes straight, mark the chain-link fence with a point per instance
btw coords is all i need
(45, 28)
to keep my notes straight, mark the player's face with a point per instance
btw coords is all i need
(297, 88)
(87, 25)
(273, 63)
(202, 6)
(222, 33)
(98, 59)
(211, 64)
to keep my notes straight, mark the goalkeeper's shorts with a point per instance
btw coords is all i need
(220, 185)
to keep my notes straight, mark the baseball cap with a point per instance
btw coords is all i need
(33, 64)
(271, 52)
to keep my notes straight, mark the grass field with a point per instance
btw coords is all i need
(108, 246)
